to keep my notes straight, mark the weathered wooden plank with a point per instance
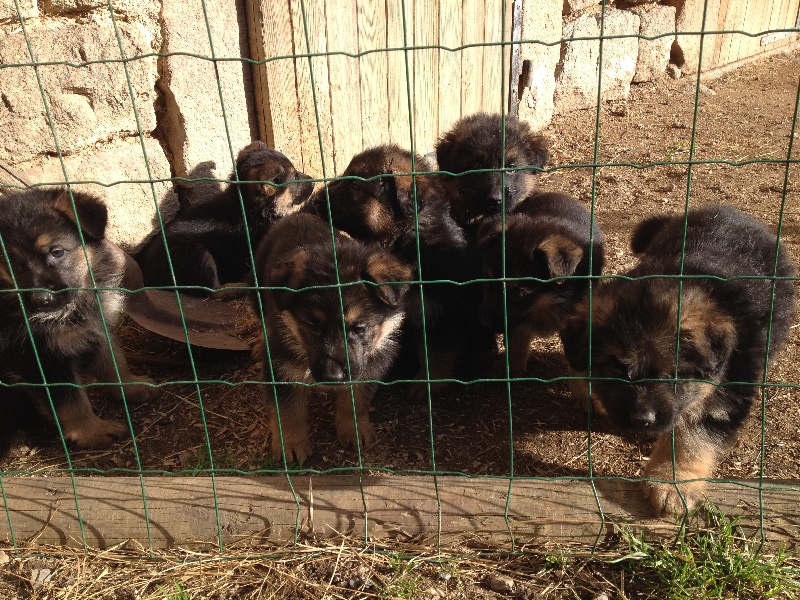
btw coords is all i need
(255, 36)
(344, 72)
(400, 34)
(426, 76)
(275, 81)
(449, 64)
(374, 98)
(495, 59)
(316, 42)
(724, 8)
(472, 58)
(264, 509)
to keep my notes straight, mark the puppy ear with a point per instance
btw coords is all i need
(92, 212)
(575, 339)
(289, 272)
(538, 148)
(708, 339)
(383, 268)
(562, 255)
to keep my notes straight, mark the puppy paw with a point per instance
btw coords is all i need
(346, 432)
(96, 433)
(298, 448)
(140, 394)
(665, 499)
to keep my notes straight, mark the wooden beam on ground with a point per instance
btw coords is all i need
(257, 510)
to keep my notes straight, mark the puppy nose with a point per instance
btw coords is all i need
(332, 370)
(42, 298)
(643, 418)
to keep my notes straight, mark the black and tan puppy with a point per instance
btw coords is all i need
(691, 367)
(377, 202)
(209, 244)
(476, 142)
(548, 249)
(53, 328)
(304, 324)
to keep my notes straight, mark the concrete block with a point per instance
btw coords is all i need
(542, 23)
(9, 14)
(577, 73)
(135, 7)
(132, 209)
(654, 54)
(192, 124)
(88, 104)
(689, 18)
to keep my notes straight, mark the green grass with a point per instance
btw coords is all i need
(403, 582)
(177, 594)
(716, 561)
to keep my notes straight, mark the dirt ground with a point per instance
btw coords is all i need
(742, 117)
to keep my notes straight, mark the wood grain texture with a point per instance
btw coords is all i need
(450, 35)
(316, 42)
(344, 71)
(400, 63)
(373, 68)
(256, 510)
(426, 76)
(472, 58)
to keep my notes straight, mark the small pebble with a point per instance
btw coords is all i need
(40, 576)
(435, 593)
(601, 596)
(502, 584)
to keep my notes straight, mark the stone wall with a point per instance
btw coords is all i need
(122, 124)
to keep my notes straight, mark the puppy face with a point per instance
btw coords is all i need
(44, 252)
(311, 323)
(476, 142)
(534, 252)
(634, 351)
(277, 190)
(382, 208)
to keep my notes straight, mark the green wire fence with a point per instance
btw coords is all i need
(291, 472)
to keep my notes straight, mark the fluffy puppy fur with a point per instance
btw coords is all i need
(703, 389)
(475, 142)
(48, 301)
(307, 344)
(208, 242)
(549, 245)
(408, 215)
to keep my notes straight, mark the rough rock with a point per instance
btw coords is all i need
(8, 11)
(88, 104)
(575, 6)
(689, 18)
(654, 54)
(577, 73)
(193, 124)
(501, 583)
(542, 24)
(131, 205)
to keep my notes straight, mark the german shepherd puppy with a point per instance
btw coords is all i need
(476, 142)
(705, 387)
(410, 217)
(53, 329)
(306, 341)
(549, 246)
(209, 243)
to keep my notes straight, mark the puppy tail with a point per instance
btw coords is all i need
(645, 232)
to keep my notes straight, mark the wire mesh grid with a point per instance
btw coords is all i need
(285, 467)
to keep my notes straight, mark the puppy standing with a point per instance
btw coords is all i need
(44, 252)
(410, 217)
(699, 379)
(476, 142)
(306, 341)
(547, 237)
(208, 242)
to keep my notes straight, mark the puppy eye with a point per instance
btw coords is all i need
(522, 292)
(358, 329)
(57, 253)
